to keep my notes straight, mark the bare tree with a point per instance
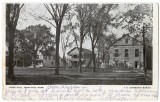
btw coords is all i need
(82, 16)
(98, 20)
(65, 41)
(57, 11)
(72, 28)
(12, 16)
(80, 11)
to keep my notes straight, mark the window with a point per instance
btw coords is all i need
(49, 57)
(116, 52)
(126, 41)
(52, 63)
(45, 57)
(126, 52)
(136, 52)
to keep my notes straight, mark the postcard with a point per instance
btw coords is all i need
(80, 51)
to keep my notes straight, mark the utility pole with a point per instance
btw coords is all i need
(144, 51)
(98, 53)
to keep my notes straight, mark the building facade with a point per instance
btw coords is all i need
(49, 60)
(73, 55)
(126, 52)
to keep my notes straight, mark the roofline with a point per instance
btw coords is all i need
(71, 50)
(75, 48)
(123, 37)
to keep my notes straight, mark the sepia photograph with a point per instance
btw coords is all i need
(78, 44)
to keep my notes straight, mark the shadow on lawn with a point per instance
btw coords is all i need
(39, 80)
(72, 80)
(73, 77)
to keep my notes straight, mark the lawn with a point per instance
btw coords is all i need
(46, 76)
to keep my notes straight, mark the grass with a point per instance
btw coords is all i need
(45, 76)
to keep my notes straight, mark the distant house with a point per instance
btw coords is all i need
(39, 59)
(49, 60)
(86, 57)
(126, 52)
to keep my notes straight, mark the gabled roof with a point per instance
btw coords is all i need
(124, 35)
(87, 51)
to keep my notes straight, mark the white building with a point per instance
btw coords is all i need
(126, 52)
(49, 60)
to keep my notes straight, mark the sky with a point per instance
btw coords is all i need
(26, 19)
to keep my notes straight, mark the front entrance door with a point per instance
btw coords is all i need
(136, 64)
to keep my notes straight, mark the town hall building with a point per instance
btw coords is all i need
(126, 52)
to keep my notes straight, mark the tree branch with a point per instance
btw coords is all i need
(21, 6)
(73, 31)
(43, 19)
(48, 9)
(54, 11)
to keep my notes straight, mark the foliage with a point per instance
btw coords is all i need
(134, 20)
(57, 12)
(35, 39)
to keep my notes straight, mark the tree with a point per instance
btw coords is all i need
(98, 20)
(22, 55)
(65, 41)
(57, 11)
(92, 20)
(35, 39)
(12, 16)
(94, 28)
(134, 20)
(72, 27)
(103, 48)
(82, 16)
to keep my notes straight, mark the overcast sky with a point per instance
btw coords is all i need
(26, 20)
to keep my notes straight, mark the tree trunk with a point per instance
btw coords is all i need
(11, 55)
(64, 61)
(34, 63)
(57, 49)
(80, 55)
(108, 59)
(144, 53)
(11, 24)
(94, 60)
